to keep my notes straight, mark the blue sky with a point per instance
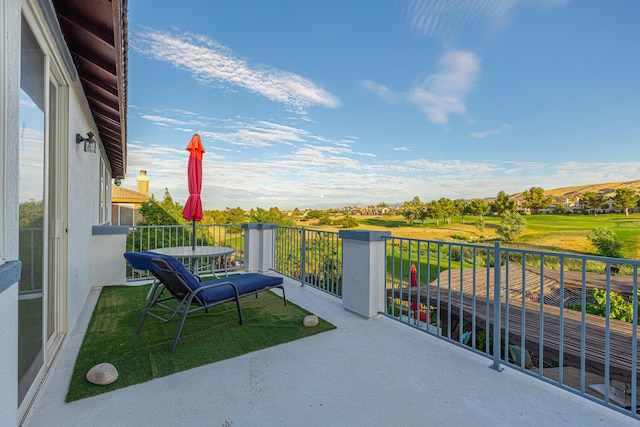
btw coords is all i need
(331, 103)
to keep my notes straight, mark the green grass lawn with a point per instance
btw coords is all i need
(554, 232)
(570, 232)
(206, 337)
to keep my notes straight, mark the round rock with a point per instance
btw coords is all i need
(310, 321)
(102, 374)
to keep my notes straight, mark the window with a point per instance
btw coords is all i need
(105, 192)
(126, 214)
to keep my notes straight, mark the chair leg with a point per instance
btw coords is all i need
(179, 331)
(239, 309)
(144, 317)
(283, 297)
(150, 302)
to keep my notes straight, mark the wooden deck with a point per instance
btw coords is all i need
(456, 289)
(622, 285)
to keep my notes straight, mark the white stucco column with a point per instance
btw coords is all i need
(108, 243)
(259, 246)
(363, 266)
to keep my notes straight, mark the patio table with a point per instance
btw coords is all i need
(194, 255)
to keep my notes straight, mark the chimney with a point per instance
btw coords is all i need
(143, 183)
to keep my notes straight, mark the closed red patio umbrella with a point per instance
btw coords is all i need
(193, 208)
(414, 283)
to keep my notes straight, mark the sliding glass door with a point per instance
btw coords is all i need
(42, 198)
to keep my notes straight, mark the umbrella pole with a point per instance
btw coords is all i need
(193, 239)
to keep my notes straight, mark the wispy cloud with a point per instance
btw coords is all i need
(483, 134)
(519, 168)
(336, 175)
(457, 167)
(210, 62)
(164, 120)
(439, 18)
(402, 148)
(258, 134)
(442, 93)
(379, 90)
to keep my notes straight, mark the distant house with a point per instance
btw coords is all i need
(125, 203)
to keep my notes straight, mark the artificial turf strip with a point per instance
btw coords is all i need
(206, 337)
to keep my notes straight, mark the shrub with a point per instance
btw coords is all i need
(512, 226)
(349, 222)
(620, 309)
(324, 220)
(605, 241)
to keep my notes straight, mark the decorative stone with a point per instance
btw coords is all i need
(102, 374)
(310, 321)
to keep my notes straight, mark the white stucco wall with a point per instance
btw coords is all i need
(9, 150)
(109, 243)
(10, 90)
(9, 356)
(83, 209)
(83, 173)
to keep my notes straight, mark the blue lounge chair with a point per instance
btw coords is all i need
(172, 276)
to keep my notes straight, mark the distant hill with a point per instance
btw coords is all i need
(608, 190)
(558, 194)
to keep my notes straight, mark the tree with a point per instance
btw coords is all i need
(462, 207)
(273, 215)
(165, 212)
(213, 217)
(447, 207)
(625, 198)
(503, 204)
(534, 199)
(434, 211)
(606, 241)
(235, 215)
(513, 225)
(478, 207)
(593, 200)
(31, 214)
(414, 210)
(315, 214)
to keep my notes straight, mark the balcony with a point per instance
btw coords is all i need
(378, 368)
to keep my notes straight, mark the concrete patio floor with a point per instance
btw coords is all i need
(375, 372)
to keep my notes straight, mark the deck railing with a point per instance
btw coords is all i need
(567, 319)
(545, 323)
(313, 257)
(148, 238)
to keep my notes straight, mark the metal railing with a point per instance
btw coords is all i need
(545, 324)
(567, 319)
(313, 257)
(148, 238)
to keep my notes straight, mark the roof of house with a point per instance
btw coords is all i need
(124, 195)
(97, 37)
